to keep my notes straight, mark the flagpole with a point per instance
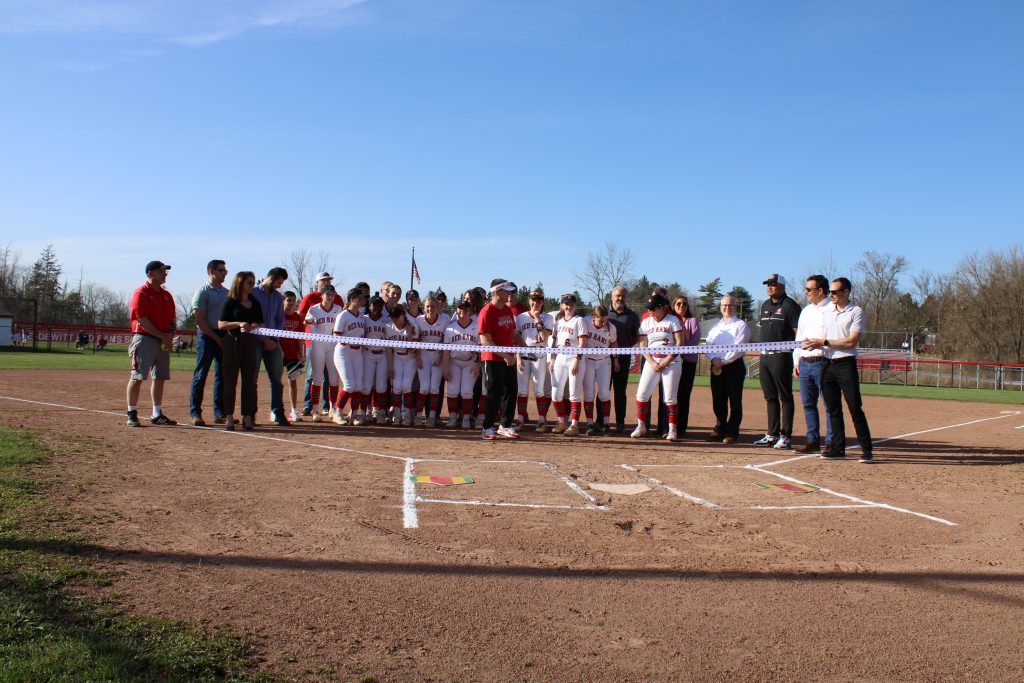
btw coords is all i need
(412, 266)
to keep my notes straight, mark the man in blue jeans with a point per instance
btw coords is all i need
(269, 348)
(206, 304)
(808, 365)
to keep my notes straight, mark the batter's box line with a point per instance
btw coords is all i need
(498, 503)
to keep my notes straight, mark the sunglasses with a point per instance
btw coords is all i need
(835, 292)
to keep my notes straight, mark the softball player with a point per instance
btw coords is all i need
(661, 328)
(461, 368)
(321, 318)
(375, 360)
(566, 368)
(401, 366)
(536, 327)
(349, 358)
(599, 369)
(430, 326)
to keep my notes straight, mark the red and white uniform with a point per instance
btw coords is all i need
(535, 366)
(599, 368)
(568, 333)
(430, 361)
(403, 359)
(375, 360)
(321, 352)
(659, 334)
(462, 365)
(348, 357)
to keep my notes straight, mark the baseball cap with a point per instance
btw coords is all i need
(536, 294)
(464, 304)
(775, 279)
(656, 301)
(568, 299)
(502, 284)
(324, 276)
(156, 265)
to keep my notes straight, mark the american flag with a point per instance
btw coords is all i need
(416, 272)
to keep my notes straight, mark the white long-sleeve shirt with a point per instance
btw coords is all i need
(728, 332)
(810, 326)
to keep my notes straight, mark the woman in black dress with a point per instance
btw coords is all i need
(240, 315)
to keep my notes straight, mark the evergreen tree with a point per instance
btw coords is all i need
(744, 303)
(709, 297)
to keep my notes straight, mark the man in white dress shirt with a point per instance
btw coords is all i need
(844, 324)
(808, 365)
(727, 373)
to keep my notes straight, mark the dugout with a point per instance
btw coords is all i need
(6, 328)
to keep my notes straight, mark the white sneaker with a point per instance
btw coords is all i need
(572, 430)
(338, 418)
(358, 419)
(467, 422)
(672, 435)
(453, 421)
(480, 422)
(489, 434)
(766, 440)
(294, 417)
(317, 417)
(541, 425)
(508, 432)
(782, 444)
(639, 432)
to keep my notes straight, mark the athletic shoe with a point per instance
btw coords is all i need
(489, 434)
(508, 432)
(319, 418)
(359, 419)
(294, 417)
(381, 418)
(639, 432)
(606, 428)
(782, 444)
(541, 425)
(572, 430)
(766, 440)
(133, 418)
(867, 458)
(518, 422)
(337, 418)
(423, 421)
(672, 435)
(593, 430)
(559, 427)
(306, 412)
(453, 421)
(198, 422)
(832, 455)
(480, 421)
(280, 421)
(161, 419)
(467, 422)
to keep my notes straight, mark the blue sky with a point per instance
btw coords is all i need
(716, 139)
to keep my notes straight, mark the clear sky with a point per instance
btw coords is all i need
(715, 138)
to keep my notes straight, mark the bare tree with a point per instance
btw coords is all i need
(186, 316)
(299, 265)
(606, 271)
(878, 284)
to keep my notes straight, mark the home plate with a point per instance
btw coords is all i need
(621, 489)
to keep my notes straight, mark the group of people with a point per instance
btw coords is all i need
(352, 380)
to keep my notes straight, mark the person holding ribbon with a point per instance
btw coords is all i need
(241, 314)
(727, 372)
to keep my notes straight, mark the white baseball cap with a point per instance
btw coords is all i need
(324, 276)
(775, 279)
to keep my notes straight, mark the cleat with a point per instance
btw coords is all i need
(593, 430)
(381, 418)
(766, 440)
(572, 430)
(467, 422)
(867, 458)
(306, 412)
(783, 444)
(453, 421)
(423, 421)
(672, 435)
(639, 432)
(508, 432)
(480, 421)
(133, 418)
(161, 419)
(338, 419)
(294, 416)
(318, 418)
(489, 434)
(559, 428)
(541, 426)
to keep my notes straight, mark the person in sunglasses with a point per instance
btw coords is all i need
(779, 318)
(844, 325)
(807, 365)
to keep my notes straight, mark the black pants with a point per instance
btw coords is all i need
(727, 398)
(839, 379)
(777, 384)
(241, 356)
(689, 371)
(502, 390)
(620, 380)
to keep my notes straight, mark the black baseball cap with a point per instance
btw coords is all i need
(156, 265)
(656, 301)
(537, 294)
(568, 299)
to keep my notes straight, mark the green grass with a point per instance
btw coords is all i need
(48, 633)
(63, 358)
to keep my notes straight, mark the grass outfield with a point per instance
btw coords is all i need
(116, 358)
(47, 633)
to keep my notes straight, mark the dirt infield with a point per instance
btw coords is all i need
(313, 540)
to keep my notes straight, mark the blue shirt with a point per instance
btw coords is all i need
(273, 307)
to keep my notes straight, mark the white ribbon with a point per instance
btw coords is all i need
(564, 350)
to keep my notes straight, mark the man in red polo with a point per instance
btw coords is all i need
(497, 326)
(153, 315)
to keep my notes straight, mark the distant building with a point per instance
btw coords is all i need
(6, 328)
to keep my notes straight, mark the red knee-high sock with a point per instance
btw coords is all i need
(566, 406)
(379, 397)
(560, 409)
(453, 405)
(421, 400)
(543, 403)
(357, 400)
(523, 402)
(435, 403)
(409, 400)
(332, 393)
(589, 408)
(574, 411)
(343, 397)
(396, 399)
(643, 409)
(672, 412)
(314, 396)
(606, 412)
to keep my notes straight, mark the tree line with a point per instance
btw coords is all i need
(974, 312)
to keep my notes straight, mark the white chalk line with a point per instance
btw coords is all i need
(410, 519)
(61, 405)
(1021, 427)
(571, 484)
(798, 507)
(551, 506)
